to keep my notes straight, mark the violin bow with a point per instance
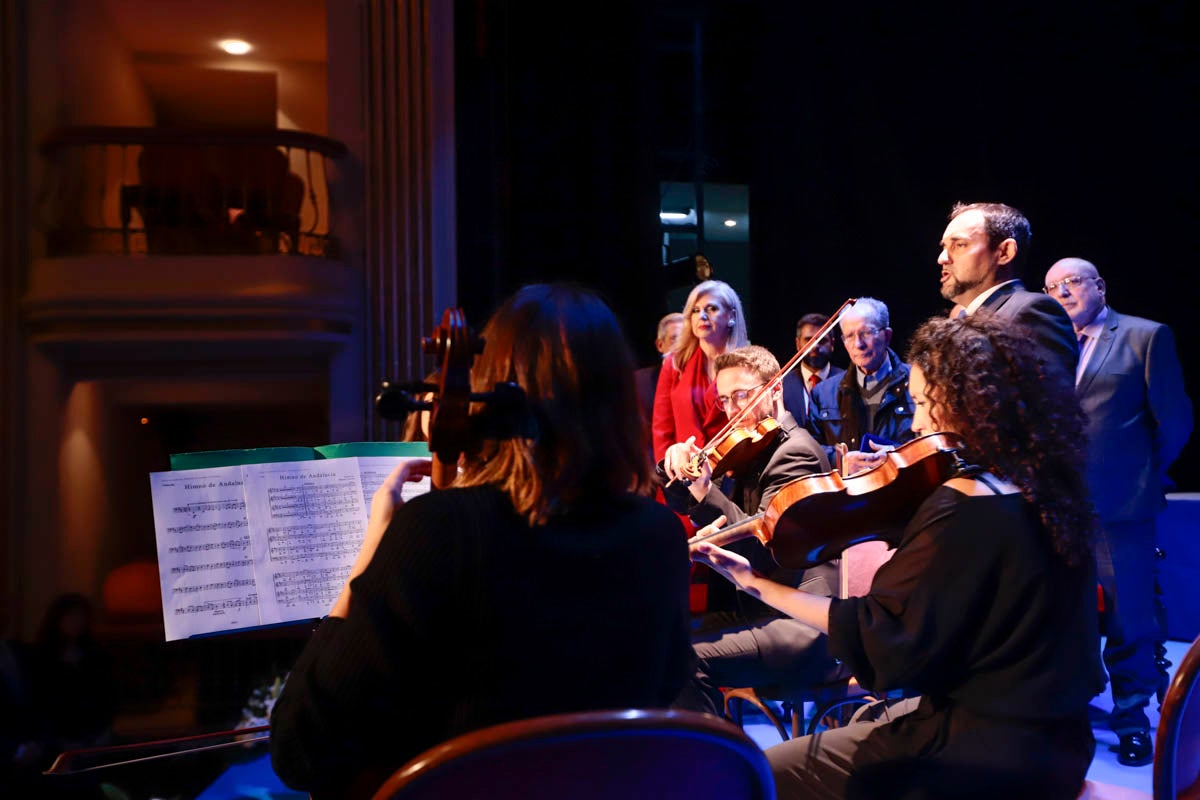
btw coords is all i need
(770, 385)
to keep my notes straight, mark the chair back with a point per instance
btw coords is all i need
(1177, 743)
(594, 755)
(857, 567)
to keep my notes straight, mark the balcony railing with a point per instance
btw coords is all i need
(162, 191)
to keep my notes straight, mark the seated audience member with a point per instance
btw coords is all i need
(465, 598)
(868, 406)
(741, 641)
(73, 684)
(987, 608)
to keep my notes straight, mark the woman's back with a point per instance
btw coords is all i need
(470, 616)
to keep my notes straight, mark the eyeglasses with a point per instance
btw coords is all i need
(739, 397)
(1071, 282)
(866, 335)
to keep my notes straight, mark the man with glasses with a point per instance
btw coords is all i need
(868, 406)
(982, 251)
(741, 641)
(1130, 385)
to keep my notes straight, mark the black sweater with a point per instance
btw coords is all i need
(468, 617)
(975, 609)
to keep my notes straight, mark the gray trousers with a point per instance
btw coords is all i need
(911, 749)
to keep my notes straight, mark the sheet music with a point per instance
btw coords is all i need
(203, 538)
(374, 469)
(307, 521)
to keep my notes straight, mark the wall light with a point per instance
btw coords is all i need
(678, 217)
(731, 223)
(235, 47)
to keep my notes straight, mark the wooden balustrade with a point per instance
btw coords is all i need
(161, 191)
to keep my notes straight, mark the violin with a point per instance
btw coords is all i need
(812, 519)
(737, 445)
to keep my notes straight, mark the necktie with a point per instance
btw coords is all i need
(1083, 337)
(813, 380)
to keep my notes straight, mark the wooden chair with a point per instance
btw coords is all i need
(594, 755)
(835, 702)
(1177, 742)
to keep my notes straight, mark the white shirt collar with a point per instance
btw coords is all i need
(807, 373)
(1094, 328)
(974, 305)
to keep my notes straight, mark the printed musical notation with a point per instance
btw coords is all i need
(258, 544)
(310, 542)
(305, 511)
(303, 586)
(200, 562)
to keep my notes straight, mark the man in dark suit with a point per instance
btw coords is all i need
(746, 642)
(646, 378)
(983, 249)
(1130, 385)
(814, 368)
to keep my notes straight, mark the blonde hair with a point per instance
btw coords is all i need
(728, 298)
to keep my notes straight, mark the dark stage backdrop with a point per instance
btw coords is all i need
(856, 128)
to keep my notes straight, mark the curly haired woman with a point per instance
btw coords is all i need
(985, 615)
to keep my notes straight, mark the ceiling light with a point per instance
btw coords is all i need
(731, 223)
(235, 47)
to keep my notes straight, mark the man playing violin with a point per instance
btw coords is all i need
(987, 607)
(741, 641)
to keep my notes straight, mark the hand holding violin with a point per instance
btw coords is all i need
(731, 566)
(856, 461)
(677, 464)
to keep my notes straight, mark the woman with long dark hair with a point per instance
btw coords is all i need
(987, 610)
(495, 599)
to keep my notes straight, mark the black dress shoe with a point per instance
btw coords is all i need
(1135, 749)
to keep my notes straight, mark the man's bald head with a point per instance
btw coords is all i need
(1076, 284)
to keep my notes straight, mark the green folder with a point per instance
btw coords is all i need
(266, 455)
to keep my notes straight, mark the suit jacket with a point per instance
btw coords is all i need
(1045, 319)
(1139, 416)
(794, 391)
(794, 455)
(646, 380)
(839, 413)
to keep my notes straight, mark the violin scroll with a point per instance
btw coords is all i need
(454, 427)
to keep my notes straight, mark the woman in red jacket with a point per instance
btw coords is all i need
(685, 401)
